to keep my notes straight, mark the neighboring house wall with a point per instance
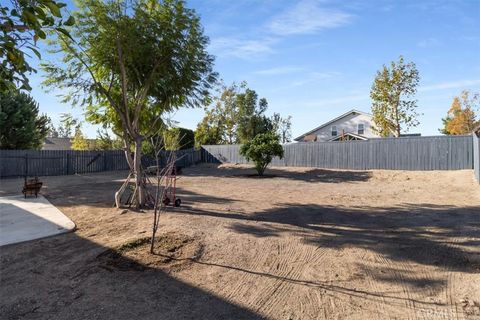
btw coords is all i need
(348, 123)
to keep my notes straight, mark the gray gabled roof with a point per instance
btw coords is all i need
(354, 111)
(358, 136)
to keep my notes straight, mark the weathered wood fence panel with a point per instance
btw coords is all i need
(412, 153)
(476, 155)
(408, 153)
(19, 163)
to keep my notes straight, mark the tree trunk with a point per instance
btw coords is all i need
(137, 167)
(128, 153)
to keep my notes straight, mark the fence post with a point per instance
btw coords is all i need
(68, 163)
(104, 161)
(26, 165)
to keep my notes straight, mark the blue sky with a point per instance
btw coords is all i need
(315, 60)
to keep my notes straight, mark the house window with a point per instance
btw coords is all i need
(334, 131)
(361, 128)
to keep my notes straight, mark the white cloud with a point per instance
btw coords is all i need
(450, 85)
(307, 17)
(279, 70)
(246, 49)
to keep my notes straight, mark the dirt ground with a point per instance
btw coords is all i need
(299, 244)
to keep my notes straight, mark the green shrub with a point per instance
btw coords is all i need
(261, 150)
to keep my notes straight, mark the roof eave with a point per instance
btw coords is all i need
(329, 122)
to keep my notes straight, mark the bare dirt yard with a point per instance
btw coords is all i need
(298, 244)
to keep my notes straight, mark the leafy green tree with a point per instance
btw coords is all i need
(236, 115)
(393, 106)
(261, 150)
(128, 62)
(209, 131)
(21, 126)
(67, 125)
(251, 119)
(22, 24)
(105, 141)
(185, 137)
(169, 139)
(219, 126)
(79, 142)
(461, 117)
(283, 127)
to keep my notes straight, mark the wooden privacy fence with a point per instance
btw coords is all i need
(407, 153)
(476, 154)
(16, 163)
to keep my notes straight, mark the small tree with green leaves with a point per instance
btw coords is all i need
(393, 106)
(261, 150)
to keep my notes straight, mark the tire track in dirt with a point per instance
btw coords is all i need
(372, 283)
(399, 279)
(300, 257)
(286, 262)
(294, 260)
(415, 304)
(283, 270)
(454, 244)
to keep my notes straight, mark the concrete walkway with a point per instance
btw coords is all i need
(28, 219)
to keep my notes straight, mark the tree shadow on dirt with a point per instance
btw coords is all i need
(419, 233)
(63, 278)
(99, 194)
(310, 175)
(189, 197)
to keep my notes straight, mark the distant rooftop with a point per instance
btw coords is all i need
(57, 144)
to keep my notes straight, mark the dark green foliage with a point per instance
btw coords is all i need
(22, 24)
(261, 150)
(186, 137)
(21, 127)
(169, 139)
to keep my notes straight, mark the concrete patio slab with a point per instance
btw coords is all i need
(31, 218)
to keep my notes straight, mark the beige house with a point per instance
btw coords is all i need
(353, 125)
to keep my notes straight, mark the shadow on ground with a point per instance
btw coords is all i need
(62, 278)
(420, 233)
(311, 175)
